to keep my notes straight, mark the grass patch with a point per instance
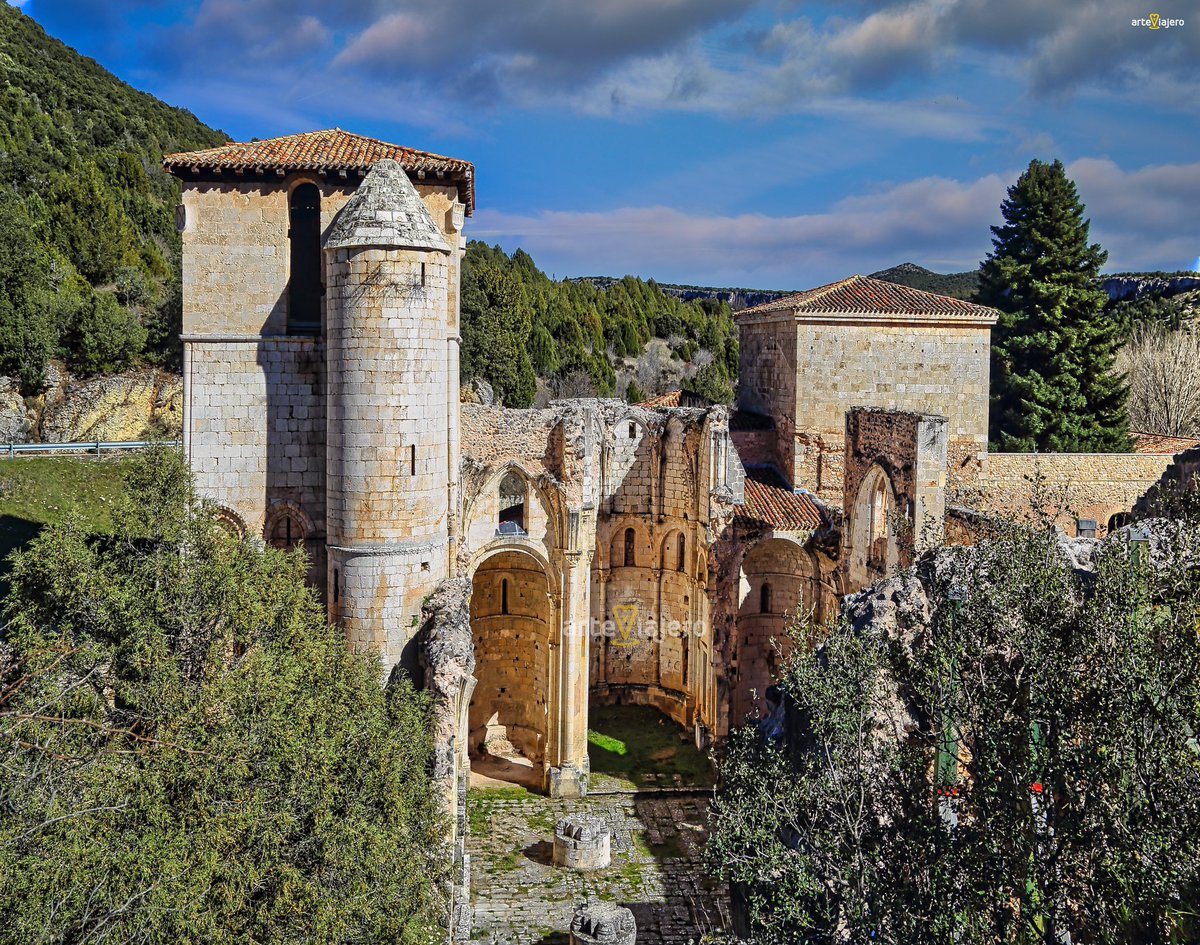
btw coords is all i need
(482, 803)
(641, 746)
(37, 491)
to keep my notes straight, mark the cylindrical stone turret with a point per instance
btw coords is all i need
(603, 923)
(582, 842)
(386, 350)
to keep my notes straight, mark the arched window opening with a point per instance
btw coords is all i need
(504, 596)
(1119, 520)
(764, 598)
(512, 504)
(286, 532)
(681, 561)
(304, 284)
(877, 550)
(630, 541)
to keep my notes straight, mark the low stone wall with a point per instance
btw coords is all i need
(1068, 486)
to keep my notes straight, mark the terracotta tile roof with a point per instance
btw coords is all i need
(676, 398)
(860, 296)
(330, 150)
(769, 501)
(1159, 443)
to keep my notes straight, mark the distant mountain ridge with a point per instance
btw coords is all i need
(1121, 287)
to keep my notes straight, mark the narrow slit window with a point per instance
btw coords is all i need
(304, 282)
(764, 601)
(412, 460)
(630, 539)
(633, 431)
(504, 596)
(680, 564)
(336, 585)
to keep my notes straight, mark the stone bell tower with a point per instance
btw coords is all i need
(388, 267)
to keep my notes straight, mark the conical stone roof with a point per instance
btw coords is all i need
(387, 212)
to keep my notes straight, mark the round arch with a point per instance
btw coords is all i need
(873, 549)
(286, 526)
(779, 581)
(512, 616)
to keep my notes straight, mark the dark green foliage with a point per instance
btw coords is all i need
(1053, 383)
(191, 755)
(712, 382)
(959, 285)
(82, 152)
(27, 333)
(103, 336)
(1066, 706)
(519, 325)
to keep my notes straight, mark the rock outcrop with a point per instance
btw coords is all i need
(137, 405)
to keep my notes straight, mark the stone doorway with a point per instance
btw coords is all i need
(508, 719)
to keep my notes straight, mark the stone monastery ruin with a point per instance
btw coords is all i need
(528, 564)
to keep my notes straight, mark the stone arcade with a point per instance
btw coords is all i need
(591, 552)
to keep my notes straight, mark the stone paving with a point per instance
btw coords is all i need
(520, 898)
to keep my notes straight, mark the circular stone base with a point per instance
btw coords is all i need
(582, 842)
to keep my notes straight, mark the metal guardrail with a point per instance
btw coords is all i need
(95, 448)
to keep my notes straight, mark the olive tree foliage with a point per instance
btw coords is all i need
(189, 753)
(1162, 368)
(1031, 772)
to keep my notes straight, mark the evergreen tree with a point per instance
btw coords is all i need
(27, 333)
(1053, 383)
(189, 753)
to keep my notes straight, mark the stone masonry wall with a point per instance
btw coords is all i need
(387, 502)
(1072, 485)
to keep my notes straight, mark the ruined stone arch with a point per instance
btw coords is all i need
(873, 550)
(542, 518)
(287, 526)
(514, 617)
(780, 583)
(229, 522)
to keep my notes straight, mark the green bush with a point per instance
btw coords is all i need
(103, 336)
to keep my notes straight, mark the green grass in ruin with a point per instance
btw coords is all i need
(481, 805)
(638, 746)
(38, 491)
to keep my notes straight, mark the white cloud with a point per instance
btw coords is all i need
(1142, 217)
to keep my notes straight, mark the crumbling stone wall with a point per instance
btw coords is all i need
(895, 491)
(1182, 475)
(1068, 486)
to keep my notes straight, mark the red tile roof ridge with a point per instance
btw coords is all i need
(862, 295)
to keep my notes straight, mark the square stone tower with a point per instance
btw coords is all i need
(807, 359)
(311, 367)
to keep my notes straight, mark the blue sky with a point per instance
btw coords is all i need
(769, 144)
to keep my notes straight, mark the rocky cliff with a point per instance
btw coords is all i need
(136, 405)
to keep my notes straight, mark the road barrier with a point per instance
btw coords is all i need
(96, 448)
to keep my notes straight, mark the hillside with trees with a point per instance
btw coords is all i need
(532, 338)
(90, 271)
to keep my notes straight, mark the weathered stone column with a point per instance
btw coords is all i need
(603, 923)
(569, 762)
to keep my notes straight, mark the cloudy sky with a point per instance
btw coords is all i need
(772, 144)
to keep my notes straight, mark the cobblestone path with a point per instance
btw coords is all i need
(521, 899)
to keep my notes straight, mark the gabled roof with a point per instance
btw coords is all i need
(863, 298)
(329, 151)
(769, 501)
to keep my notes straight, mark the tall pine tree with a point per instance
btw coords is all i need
(1054, 387)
